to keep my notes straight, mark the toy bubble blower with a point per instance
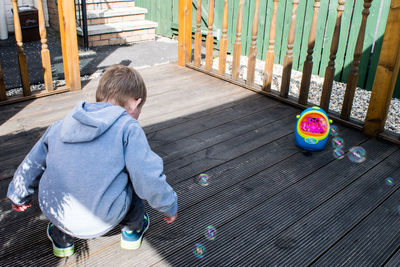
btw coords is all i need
(312, 129)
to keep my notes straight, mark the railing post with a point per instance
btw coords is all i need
(69, 44)
(3, 95)
(23, 68)
(330, 69)
(197, 36)
(237, 46)
(223, 47)
(252, 54)
(210, 37)
(353, 76)
(46, 64)
(288, 61)
(308, 63)
(185, 32)
(270, 55)
(386, 73)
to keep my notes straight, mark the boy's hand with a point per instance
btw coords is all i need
(21, 208)
(170, 219)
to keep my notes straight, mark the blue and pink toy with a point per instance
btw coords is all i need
(312, 129)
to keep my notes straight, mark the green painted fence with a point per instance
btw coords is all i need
(165, 12)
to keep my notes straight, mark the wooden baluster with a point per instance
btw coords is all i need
(197, 36)
(270, 55)
(386, 74)
(210, 37)
(308, 63)
(288, 61)
(23, 68)
(223, 43)
(353, 76)
(46, 64)
(251, 64)
(3, 95)
(330, 69)
(237, 47)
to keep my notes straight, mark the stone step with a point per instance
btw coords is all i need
(120, 33)
(102, 16)
(104, 4)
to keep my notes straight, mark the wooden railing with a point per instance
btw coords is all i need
(69, 50)
(385, 77)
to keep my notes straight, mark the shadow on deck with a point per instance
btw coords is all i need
(271, 203)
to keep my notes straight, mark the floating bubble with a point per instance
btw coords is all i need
(337, 142)
(357, 154)
(338, 153)
(199, 250)
(210, 232)
(334, 130)
(203, 179)
(389, 181)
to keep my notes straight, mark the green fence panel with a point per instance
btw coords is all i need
(319, 36)
(299, 31)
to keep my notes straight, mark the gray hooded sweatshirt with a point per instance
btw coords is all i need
(86, 167)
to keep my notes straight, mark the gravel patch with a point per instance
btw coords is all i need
(361, 97)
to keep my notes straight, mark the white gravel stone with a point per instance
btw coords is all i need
(361, 97)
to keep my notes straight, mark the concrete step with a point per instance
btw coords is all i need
(120, 32)
(103, 4)
(102, 16)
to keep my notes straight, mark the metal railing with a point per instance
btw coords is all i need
(81, 21)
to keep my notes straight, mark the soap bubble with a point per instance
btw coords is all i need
(338, 153)
(334, 130)
(337, 142)
(199, 250)
(389, 181)
(210, 232)
(357, 154)
(203, 179)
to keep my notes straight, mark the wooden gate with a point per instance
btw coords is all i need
(69, 45)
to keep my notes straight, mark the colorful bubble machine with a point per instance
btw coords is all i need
(312, 129)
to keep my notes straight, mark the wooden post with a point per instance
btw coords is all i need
(288, 61)
(270, 55)
(251, 63)
(69, 44)
(330, 69)
(308, 63)
(197, 36)
(23, 68)
(386, 73)
(237, 47)
(223, 43)
(185, 32)
(210, 37)
(3, 95)
(46, 64)
(353, 76)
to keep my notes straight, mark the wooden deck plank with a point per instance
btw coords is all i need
(307, 239)
(394, 261)
(275, 213)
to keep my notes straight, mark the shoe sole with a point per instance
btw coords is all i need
(137, 244)
(58, 252)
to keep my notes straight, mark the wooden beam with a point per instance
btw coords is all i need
(69, 44)
(386, 74)
(197, 36)
(210, 36)
(185, 32)
(237, 46)
(223, 48)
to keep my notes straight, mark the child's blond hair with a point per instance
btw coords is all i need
(120, 83)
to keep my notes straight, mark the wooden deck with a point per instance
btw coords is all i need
(271, 203)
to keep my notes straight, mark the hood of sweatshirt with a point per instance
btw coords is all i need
(87, 121)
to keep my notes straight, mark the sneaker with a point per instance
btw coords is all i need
(133, 239)
(60, 250)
